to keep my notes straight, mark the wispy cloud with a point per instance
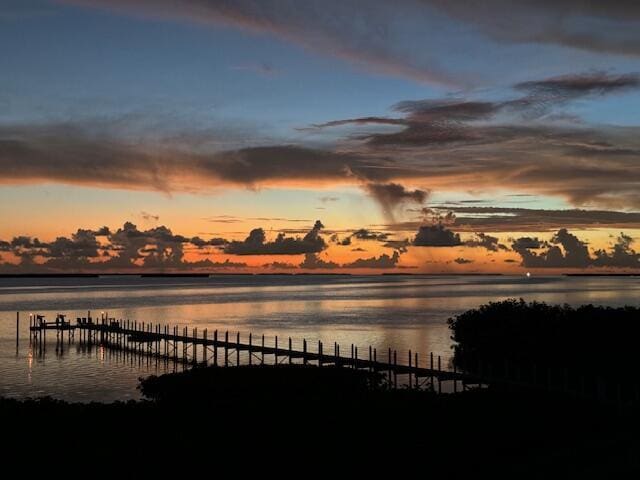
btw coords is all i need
(444, 144)
(370, 37)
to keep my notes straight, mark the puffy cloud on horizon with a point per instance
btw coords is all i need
(313, 262)
(126, 248)
(486, 241)
(130, 248)
(436, 236)
(462, 261)
(257, 244)
(574, 253)
(383, 261)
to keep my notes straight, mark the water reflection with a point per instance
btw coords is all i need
(404, 313)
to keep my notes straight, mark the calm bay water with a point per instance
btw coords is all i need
(401, 312)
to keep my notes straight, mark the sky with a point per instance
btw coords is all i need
(243, 136)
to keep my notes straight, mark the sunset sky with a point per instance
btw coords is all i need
(415, 136)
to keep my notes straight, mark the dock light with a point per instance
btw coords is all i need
(528, 274)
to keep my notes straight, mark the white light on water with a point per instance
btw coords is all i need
(528, 274)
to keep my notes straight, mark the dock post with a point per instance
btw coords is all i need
(335, 352)
(262, 352)
(455, 378)
(319, 353)
(226, 348)
(439, 377)
(215, 348)
(375, 359)
(166, 334)
(275, 354)
(431, 369)
(395, 369)
(415, 363)
(389, 365)
(17, 331)
(204, 347)
(355, 357)
(195, 345)
(290, 350)
(238, 349)
(370, 358)
(175, 343)
(352, 355)
(410, 377)
(185, 344)
(250, 347)
(304, 351)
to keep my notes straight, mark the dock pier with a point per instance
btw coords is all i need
(172, 344)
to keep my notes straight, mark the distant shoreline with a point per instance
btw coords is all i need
(206, 275)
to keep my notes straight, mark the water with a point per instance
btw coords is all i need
(401, 312)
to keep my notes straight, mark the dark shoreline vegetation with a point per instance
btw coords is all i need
(553, 347)
(329, 413)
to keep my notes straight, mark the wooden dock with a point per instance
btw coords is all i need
(190, 346)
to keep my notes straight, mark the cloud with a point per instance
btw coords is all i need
(313, 261)
(621, 256)
(125, 249)
(383, 261)
(524, 143)
(510, 219)
(462, 261)
(82, 244)
(73, 252)
(149, 216)
(525, 243)
(365, 234)
(435, 122)
(391, 196)
(436, 236)
(578, 85)
(527, 219)
(212, 242)
(605, 27)
(280, 266)
(256, 243)
(128, 242)
(382, 38)
(399, 245)
(483, 240)
(370, 38)
(575, 253)
(446, 144)
(86, 154)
